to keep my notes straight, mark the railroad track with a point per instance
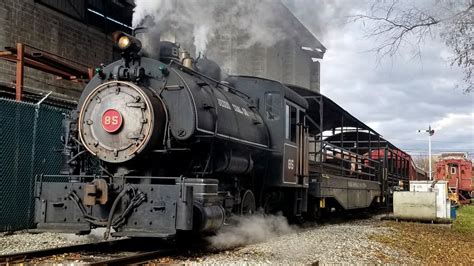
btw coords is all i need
(115, 252)
(133, 251)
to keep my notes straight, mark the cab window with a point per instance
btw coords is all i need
(273, 105)
(290, 122)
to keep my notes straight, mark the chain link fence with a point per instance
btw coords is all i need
(29, 145)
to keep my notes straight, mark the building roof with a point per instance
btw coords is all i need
(311, 44)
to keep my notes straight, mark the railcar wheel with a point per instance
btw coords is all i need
(247, 206)
(314, 212)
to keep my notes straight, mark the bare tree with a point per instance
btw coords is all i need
(423, 162)
(393, 23)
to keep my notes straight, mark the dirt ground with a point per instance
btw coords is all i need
(433, 243)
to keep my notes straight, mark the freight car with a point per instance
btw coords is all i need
(457, 169)
(161, 144)
(401, 163)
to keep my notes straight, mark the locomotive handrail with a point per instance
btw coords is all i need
(75, 177)
(232, 89)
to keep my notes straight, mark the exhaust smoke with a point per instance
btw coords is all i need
(250, 230)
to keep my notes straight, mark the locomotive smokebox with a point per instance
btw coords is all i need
(119, 120)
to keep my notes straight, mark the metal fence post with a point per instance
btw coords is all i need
(33, 156)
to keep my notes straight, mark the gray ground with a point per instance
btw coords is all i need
(347, 242)
(334, 243)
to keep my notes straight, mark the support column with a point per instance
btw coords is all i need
(20, 49)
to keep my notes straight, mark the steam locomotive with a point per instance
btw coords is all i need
(178, 147)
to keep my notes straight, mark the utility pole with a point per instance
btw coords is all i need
(430, 133)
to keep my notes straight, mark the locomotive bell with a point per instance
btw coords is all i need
(119, 120)
(186, 59)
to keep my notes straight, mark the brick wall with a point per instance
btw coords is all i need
(36, 25)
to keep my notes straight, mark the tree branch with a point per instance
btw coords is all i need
(392, 26)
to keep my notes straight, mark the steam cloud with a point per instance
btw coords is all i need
(218, 29)
(96, 235)
(250, 230)
(257, 21)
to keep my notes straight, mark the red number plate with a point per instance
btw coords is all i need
(111, 120)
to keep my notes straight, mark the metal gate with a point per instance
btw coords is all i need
(29, 144)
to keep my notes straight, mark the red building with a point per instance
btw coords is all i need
(457, 169)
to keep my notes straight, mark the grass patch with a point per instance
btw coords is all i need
(433, 243)
(465, 220)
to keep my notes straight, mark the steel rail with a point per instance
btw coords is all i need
(35, 254)
(136, 258)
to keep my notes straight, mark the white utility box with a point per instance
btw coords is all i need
(426, 200)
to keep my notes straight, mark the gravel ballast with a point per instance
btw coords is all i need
(23, 241)
(347, 242)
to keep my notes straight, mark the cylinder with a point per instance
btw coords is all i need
(208, 218)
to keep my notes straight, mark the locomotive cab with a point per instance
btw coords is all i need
(284, 114)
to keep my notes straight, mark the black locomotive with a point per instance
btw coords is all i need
(181, 149)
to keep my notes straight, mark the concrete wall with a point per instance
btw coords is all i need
(34, 24)
(285, 61)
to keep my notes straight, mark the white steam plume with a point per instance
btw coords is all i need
(250, 230)
(257, 21)
(197, 22)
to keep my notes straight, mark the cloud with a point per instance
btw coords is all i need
(397, 96)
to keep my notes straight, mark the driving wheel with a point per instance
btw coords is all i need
(247, 206)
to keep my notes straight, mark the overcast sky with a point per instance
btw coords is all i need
(399, 95)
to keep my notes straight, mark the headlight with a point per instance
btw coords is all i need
(124, 42)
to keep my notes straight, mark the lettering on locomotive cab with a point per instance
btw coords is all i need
(223, 104)
(236, 108)
(291, 164)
